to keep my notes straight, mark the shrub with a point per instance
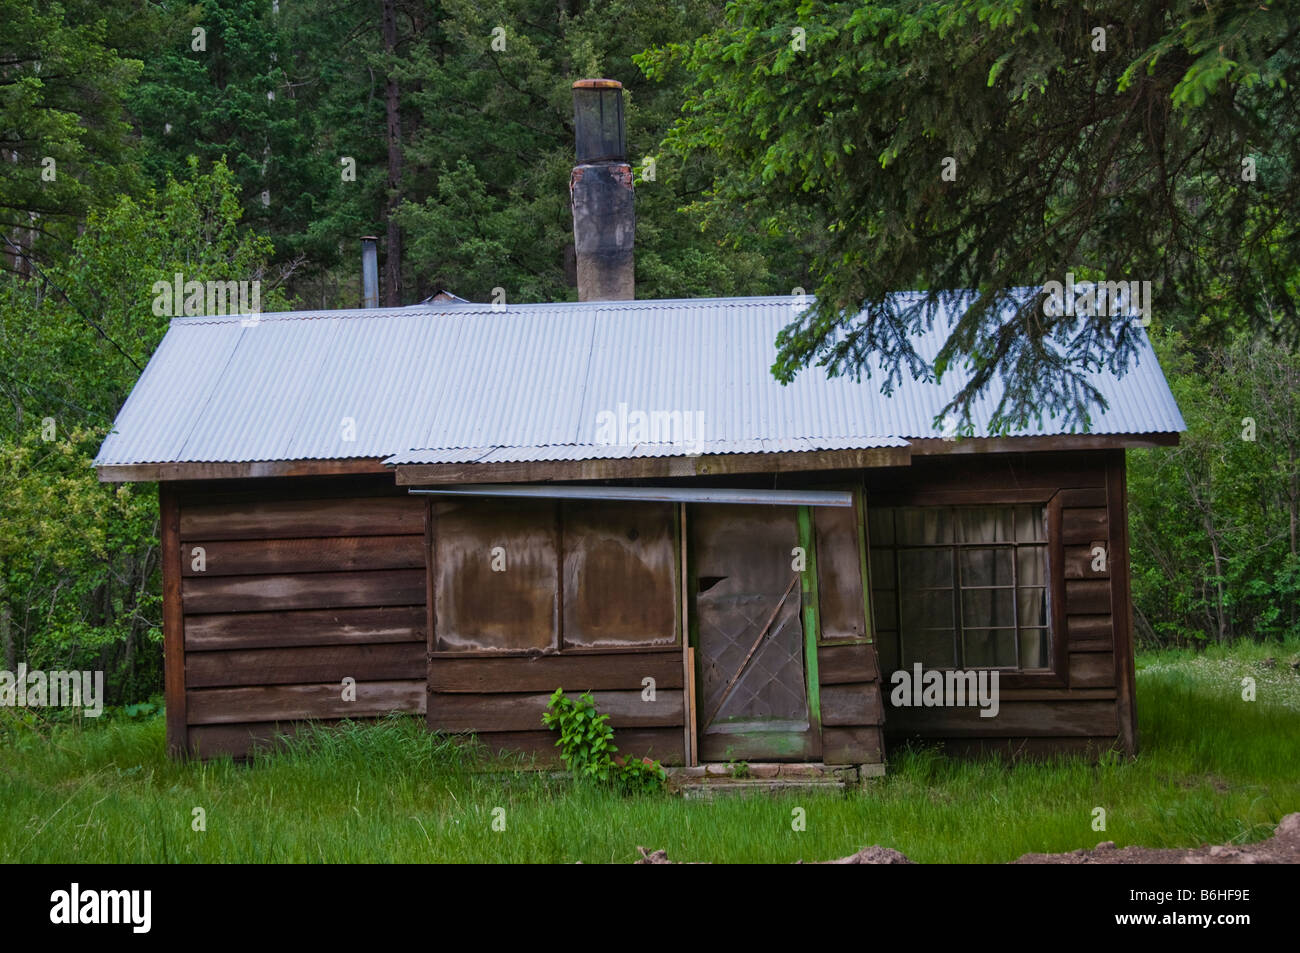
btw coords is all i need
(587, 747)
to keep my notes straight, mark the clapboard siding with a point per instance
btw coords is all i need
(302, 519)
(240, 557)
(1046, 718)
(1092, 670)
(1080, 526)
(1087, 597)
(305, 627)
(502, 700)
(521, 712)
(214, 706)
(1084, 562)
(303, 584)
(664, 745)
(846, 664)
(1081, 709)
(857, 745)
(1089, 633)
(287, 589)
(315, 663)
(1028, 749)
(545, 673)
(322, 590)
(849, 706)
(240, 740)
(852, 712)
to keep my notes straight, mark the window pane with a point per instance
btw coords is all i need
(926, 610)
(1032, 604)
(1031, 524)
(987, 608)
(925, 568)
(985, 648)
(880, 527)
(933, 648)
(985, 524)
(882, 568)
(988, 564)
(924, 525)
(1034, 649)
(884, 606)
(1031, 565)
(478, 609)
(887, 646)
(986, 567)
(620, 574)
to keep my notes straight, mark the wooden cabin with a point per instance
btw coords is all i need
(456, 508)
(453, 509)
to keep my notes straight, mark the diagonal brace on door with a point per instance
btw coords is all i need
(752, 649)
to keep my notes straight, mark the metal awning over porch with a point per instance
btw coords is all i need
(656, 494)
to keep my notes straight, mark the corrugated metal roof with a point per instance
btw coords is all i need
(627, 451)
(451, 382)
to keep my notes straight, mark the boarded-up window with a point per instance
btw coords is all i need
(495, 575)
(620, 574)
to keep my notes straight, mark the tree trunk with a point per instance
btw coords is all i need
(393, 250)
(1224, 629)
(6, 624)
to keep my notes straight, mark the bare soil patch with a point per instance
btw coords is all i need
(1282, 848)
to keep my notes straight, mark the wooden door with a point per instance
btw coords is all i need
(753, 700)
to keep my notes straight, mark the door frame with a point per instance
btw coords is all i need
(809, 623)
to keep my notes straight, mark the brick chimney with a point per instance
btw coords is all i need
(600, 189)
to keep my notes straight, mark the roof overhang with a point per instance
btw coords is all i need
(161, 472)
(649, 494)
(649, 468)
(626, 468)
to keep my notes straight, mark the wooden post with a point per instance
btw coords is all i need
(688, 653)
(169, 513)
(864, 565)
(811, 621)
(430, 611)
(1121, 601)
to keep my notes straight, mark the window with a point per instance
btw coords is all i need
(961, 587)
(540, 576)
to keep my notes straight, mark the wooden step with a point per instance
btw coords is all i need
(709, 780)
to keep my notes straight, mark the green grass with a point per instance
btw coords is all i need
(1213, 769)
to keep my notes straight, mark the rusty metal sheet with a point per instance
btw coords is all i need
(620, 574)
(496, 580)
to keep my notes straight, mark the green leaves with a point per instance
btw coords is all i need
(79, 559)
(1117, 154)
(587, 748)
(1215, 521)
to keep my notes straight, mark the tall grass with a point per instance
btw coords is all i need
(1213, 768)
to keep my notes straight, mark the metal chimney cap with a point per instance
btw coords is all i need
(597, 84)
(370, 238)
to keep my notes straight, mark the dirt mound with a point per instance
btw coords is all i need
(868, 855)
(873, 855)
(1282, 848)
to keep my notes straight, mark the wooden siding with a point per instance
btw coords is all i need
(311, 580)
(502, 698)
(1086, 705)
(853, 713)
(282, 590)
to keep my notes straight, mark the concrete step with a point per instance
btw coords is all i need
(740, 779)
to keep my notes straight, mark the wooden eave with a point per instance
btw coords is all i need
(425, 474)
